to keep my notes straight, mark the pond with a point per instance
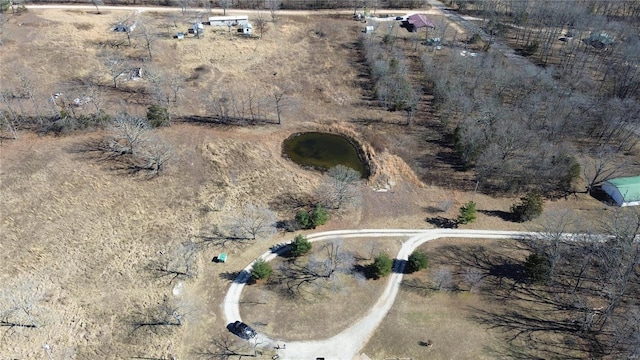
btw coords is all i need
(323, 151)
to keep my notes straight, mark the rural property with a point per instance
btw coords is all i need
(319, 179)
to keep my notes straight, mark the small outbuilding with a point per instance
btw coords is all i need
(624, 191)
(416, 21)
(246, 29)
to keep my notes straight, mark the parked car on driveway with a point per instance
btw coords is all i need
(242, 330)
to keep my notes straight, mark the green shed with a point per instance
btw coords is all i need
(625, 191)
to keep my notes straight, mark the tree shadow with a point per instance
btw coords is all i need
(493, 265)
(399, 266)
(442, 222)
(432, 209)
(531, 331)
(512, 271)
(238, 277)
(224, 120)
(287, 225)
(504, 215)
(538, 321)
(220, 240)
(366, 270)
(282, 250)
(291, 201)
(417, 286)
(93, 149)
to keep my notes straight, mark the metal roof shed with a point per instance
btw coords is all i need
(417, 21)
(624, 191)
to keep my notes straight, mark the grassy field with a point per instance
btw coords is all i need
(79, 239)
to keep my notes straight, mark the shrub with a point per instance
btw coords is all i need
(475, 39)
(530, 48)
(382, 265)
(261, 270)
(319, 216)
(537, 267)
(467, 213)
(300, 246)
(303, 219)
(417, 261)
(158, 116)
(310, 219)
(529, 208)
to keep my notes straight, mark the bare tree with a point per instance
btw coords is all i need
(281, 104)
(552, 237)
(137, 146)
(158, 319)
(166, 88)
(619, 257)
(253, 222)
(473, 277)
(148, 36)
(412, 101)
(129, 133)
(178, 264)
(224, 347)
(208, 5)
(273, 6)
(600, 167)
(97, 3)
(116, 64)
(184, 5)
(261, 23)
(29, 89)
(126, 24)
(97, 95)
(442, 279)
(21, 307)
(153, 158)
(339, 188)
(9, 118)
(310, 275)
(225, 4)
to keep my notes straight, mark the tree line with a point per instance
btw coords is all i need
(518, 126)
(261, 4)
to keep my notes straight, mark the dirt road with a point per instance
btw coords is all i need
(217, 11)
(348, 343)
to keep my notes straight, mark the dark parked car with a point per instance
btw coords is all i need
(242, 330)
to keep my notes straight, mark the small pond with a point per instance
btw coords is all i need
(323, 151)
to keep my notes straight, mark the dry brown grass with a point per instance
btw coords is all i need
(443, 318)
(84, 235)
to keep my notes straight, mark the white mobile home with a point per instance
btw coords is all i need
(228, 20)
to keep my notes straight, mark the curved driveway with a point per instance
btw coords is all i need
(348, 343)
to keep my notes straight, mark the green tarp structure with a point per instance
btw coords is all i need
(625, 191)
